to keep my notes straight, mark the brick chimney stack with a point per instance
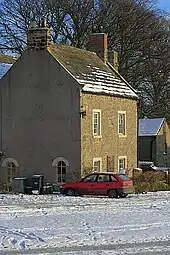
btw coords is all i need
(38, 38)
(98, 43)
(115, 60)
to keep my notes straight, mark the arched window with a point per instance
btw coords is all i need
(60, 165)
(11, 172)
(61, 168)
(11, 167)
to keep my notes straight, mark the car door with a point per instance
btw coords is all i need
(87, 185)
(114, 182)
(102, 184)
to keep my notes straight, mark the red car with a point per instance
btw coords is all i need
(105, 183)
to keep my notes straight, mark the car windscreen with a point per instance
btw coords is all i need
(124, 177)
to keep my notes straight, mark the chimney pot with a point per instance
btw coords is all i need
(33, 24)
(43, 22)
(113, 59)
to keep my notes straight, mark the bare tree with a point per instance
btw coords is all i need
(136, 29)
(69, 20)
(78, 23)
(15, 18)
(156, 77)
(139, 32)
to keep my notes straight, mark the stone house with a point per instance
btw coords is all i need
(154, 141)
(65, 112)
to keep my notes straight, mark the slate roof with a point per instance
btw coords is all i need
(91, 72)
(86, 68)
(5, 64)
(150, 127)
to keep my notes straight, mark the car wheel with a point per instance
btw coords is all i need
(112, 193)
(69, 192)
(123, 195)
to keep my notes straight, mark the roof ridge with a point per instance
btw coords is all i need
(91, 72)
(72, 47)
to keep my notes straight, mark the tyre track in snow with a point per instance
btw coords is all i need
(86, 218)
(16, 238)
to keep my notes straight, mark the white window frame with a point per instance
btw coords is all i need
(97, 160)
(125, 160)
(56, 167)
(122, 113)
(61, 168)
(11, 172)
(97, 111)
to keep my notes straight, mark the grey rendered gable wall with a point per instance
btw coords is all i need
(41, 104)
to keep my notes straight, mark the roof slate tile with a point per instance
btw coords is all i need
(90, 71)
(150, 127)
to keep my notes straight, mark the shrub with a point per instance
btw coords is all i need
(150, 181)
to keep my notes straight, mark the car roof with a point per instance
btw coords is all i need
(105, 173)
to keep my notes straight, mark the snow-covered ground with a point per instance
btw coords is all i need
(54, 224)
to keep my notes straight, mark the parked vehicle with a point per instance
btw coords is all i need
(146, 165)
(149, 166)
(105, 183)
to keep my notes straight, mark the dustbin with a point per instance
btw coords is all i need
(19, 184)
(47, 189)
(37, 183)
(28, 190)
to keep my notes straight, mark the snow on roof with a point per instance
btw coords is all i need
(4, 69)
(91, 72)
(104, 82)
(150, 127)
(86, 68)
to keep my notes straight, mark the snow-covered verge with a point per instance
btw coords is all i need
(54, 224)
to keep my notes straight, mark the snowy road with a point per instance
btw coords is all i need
(139, 224)
(145, 248)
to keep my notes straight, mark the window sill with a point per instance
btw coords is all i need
(121, 135)
(97, 136)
